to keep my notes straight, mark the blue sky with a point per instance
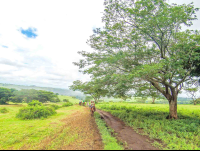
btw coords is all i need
(39, 39)
(29, 33)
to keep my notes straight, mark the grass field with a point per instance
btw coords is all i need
(27, 134)
(71, 99)
(150, 119)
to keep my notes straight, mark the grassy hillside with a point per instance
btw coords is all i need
(73, 100)
(67, 92)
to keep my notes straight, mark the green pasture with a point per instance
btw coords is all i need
(16, 133)
(71, 99)
(181, 134)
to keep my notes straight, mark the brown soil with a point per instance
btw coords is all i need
(80, 133)
(126, 134)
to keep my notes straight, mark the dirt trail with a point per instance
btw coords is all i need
(79, 132)
(127, 134)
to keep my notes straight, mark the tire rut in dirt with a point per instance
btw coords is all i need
(127, 134)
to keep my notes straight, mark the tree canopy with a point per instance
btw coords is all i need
(94, 88)
(142, 42)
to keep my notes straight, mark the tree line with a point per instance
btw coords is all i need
(26, 96)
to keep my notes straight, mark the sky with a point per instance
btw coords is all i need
(39, 39)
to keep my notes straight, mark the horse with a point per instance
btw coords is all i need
(92, 110)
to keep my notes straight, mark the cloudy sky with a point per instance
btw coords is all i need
(39, 39)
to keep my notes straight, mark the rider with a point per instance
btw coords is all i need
(92, 104)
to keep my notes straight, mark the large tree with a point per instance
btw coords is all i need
(142, 42)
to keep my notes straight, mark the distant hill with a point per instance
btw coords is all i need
(67, 92)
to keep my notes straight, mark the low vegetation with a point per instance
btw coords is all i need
(67, 104)
(3, 110)
(180, 134)
(110, 142)
(71, 99)
(35, 112)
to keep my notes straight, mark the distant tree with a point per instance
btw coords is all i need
(94, 88)
(88, 98)
(4, 95)
(148, 90)
(193, 93)
(44, 96)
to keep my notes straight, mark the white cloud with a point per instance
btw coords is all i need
(62, 28)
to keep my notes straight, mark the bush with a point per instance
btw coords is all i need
(67, 104)
(65, 100)
(34, 112)
(4, 110)
(35, 103)
(55, 107)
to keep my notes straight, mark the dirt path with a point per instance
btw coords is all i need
(127, 134)
(79, 132)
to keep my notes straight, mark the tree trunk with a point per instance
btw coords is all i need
(173, 107)
(153, 100)
(195, 103)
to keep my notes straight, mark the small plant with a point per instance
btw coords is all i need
(65, 100)
(67, 104)
(35, 103)
(4, 110)
(55, 106)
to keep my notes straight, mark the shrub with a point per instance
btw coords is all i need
(67, 104)
(34, 112)
(65, 100)
(35, 103)
(55, 107)
(4, 110)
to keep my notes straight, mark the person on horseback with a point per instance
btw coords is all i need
(83, 102)
(92, 105)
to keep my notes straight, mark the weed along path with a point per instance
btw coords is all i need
(126, 134)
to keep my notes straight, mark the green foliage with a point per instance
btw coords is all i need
(27, 95)
(35, 103)
(67, 104)
(141, 43)
(3, 110)
(65, 100)
(35, 112)
(4, 95)
(88, 98)
(180, 134)
(95, 88)
(110, 142)
(54, 106)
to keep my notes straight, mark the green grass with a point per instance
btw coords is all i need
(110, 142)
(181, 134)
(72, 100)
(15, 133)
